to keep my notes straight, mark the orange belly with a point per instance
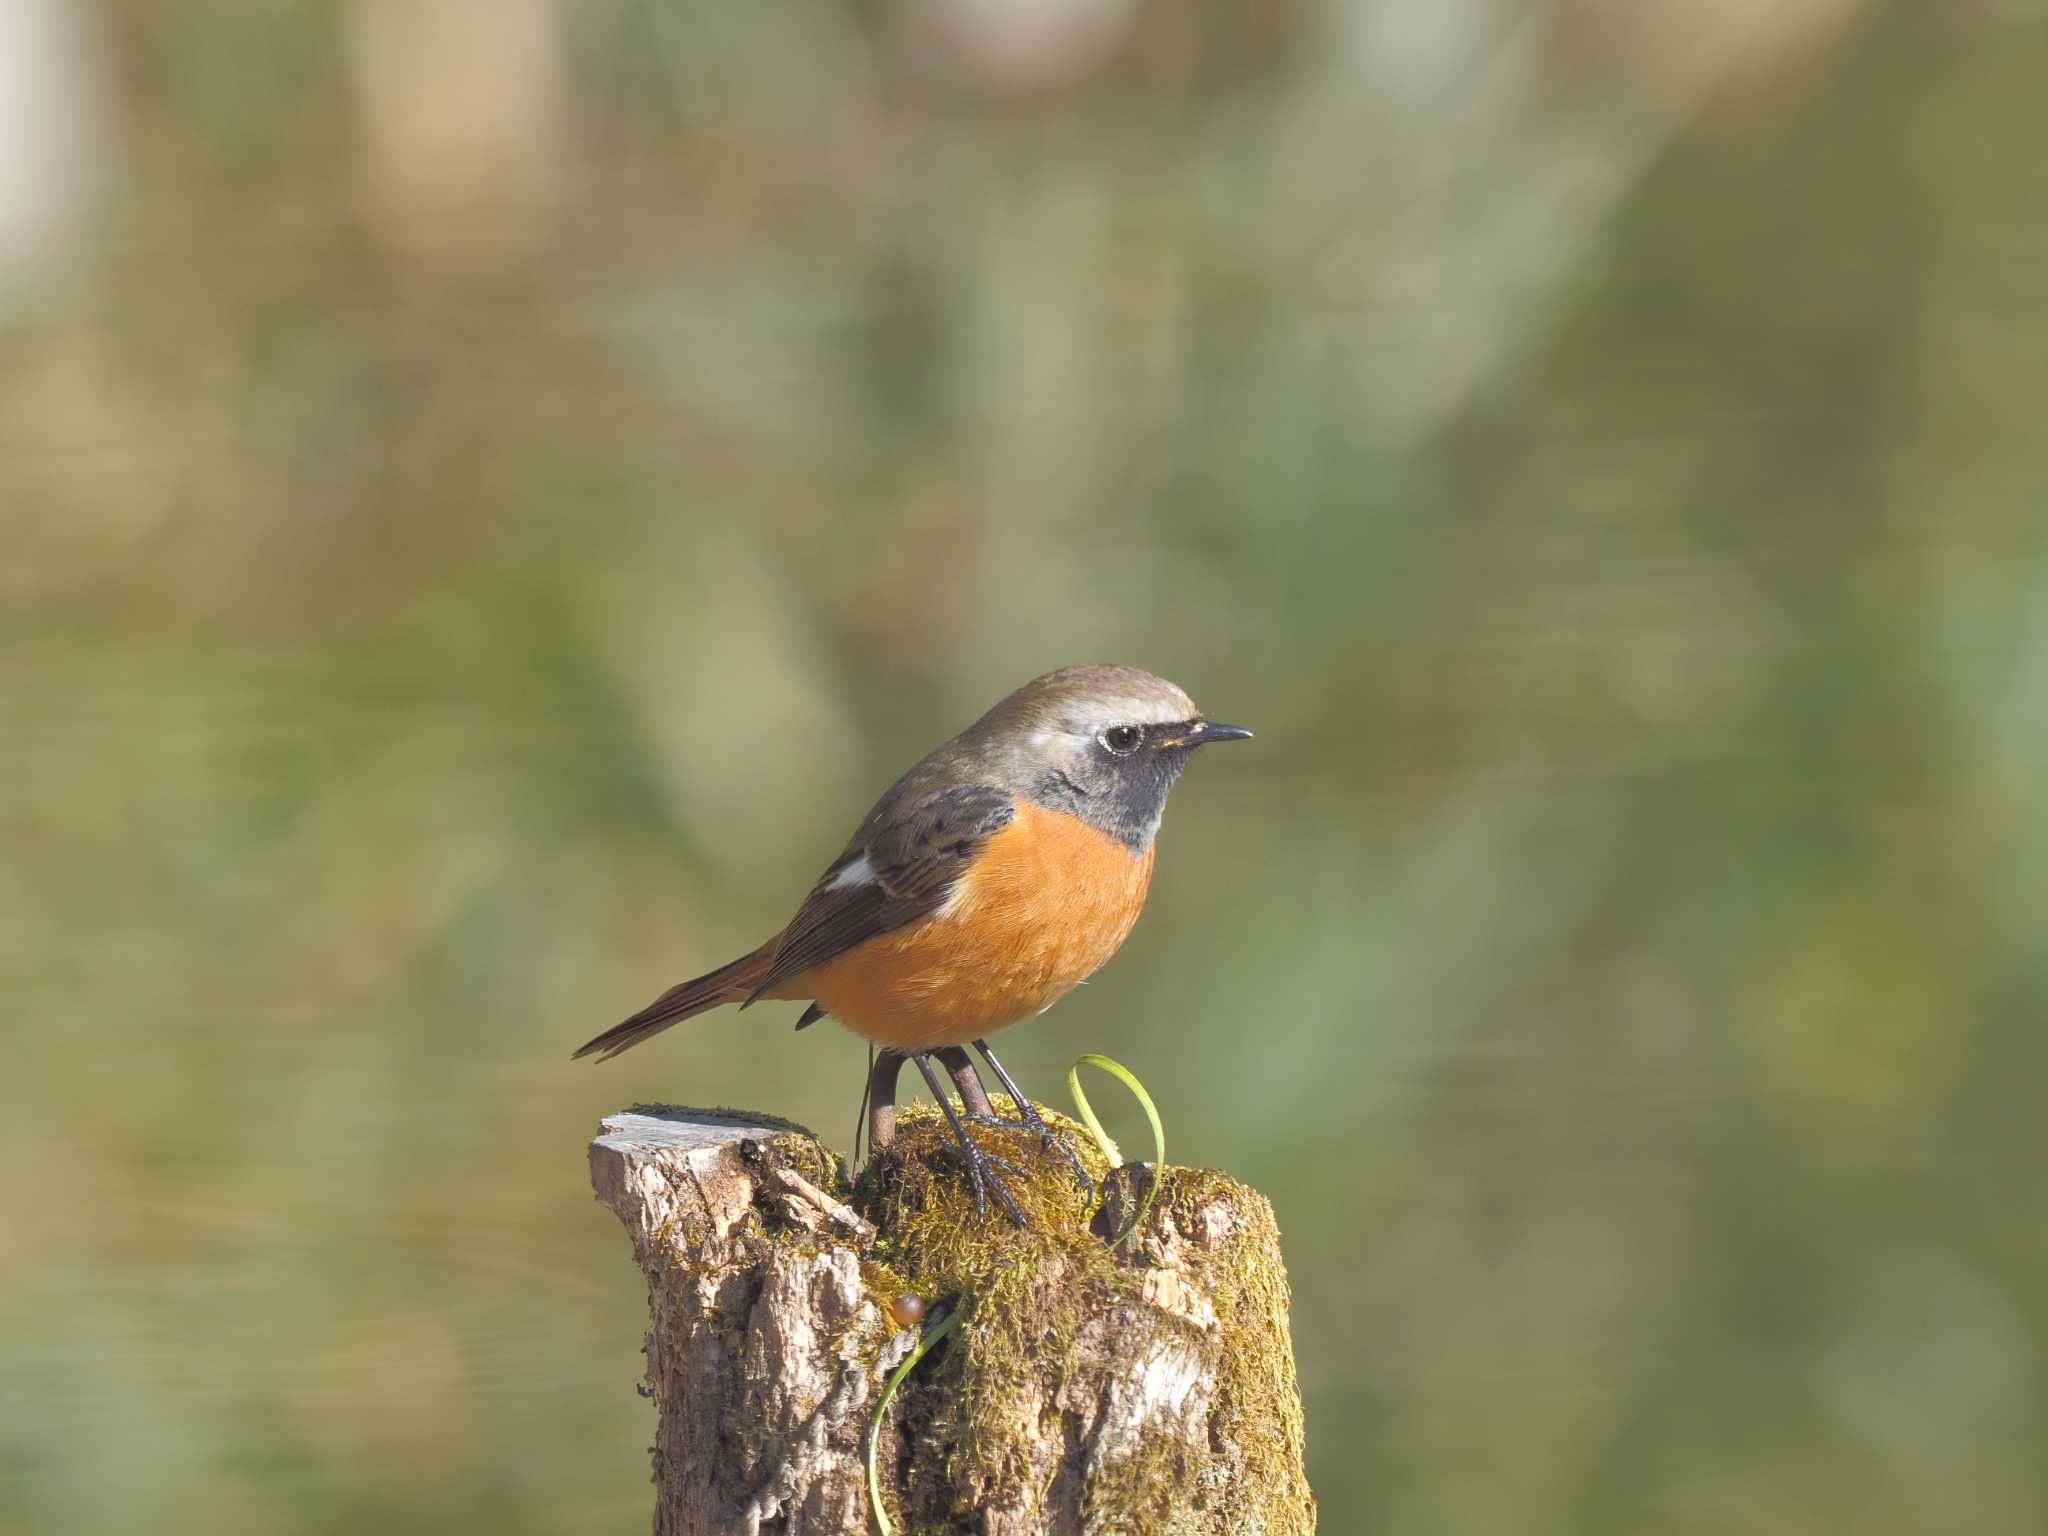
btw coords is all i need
(1046, 902)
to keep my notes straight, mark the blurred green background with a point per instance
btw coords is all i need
(492, 490)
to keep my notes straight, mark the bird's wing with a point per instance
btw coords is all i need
(901, 865)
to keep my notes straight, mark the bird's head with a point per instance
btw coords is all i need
(1102, 742)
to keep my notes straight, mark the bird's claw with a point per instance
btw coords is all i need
(981, 1170)
(1061, 1142)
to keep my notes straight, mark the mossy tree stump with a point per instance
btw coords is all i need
(1146, 1389)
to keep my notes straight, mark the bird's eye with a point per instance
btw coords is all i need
(1122, 740)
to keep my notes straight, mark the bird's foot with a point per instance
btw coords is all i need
(981, 1170)
(1060, 1142)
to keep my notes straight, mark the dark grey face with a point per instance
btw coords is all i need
(1118, 778)
(1104, 743)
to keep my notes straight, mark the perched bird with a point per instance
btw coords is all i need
(990, 880)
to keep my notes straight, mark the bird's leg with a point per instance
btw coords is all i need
(881, 1100)
(1028, 1112)
(981, 1166)
(973, 1097)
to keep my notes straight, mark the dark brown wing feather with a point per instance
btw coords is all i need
(918, 844)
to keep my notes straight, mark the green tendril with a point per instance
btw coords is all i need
(937, 1332)
(1109, 1148)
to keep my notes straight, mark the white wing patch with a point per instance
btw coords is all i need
(859, 872)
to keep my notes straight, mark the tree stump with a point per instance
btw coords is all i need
(1145, 1388)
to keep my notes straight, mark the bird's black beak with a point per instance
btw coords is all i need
(1202, 732)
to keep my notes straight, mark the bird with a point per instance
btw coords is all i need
(997, 874)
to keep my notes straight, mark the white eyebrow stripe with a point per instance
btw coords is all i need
(859, 872)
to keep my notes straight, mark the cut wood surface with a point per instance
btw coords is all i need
(1141, 1388)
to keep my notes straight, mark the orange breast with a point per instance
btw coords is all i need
(1046, 902)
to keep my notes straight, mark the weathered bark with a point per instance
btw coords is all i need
(1143, 1388)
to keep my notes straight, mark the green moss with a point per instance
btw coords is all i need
(955, 1410)
(1257, 1410)
(1030, 1292)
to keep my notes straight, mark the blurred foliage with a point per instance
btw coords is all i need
(491, 492)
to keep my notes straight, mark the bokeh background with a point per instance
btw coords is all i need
(493, 488)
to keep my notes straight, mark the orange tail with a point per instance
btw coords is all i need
(730, 983)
